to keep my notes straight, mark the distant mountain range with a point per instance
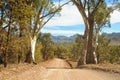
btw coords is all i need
(115, 38)
(63, 39)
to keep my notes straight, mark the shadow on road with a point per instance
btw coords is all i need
(58, 68)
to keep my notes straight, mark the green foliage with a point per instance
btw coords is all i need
(62, 51)
(22, 11)
(107, 53)
(117, 6)
(77, 48)
(114, 54)
(47, 46)
(17, 46)
(103, 49)
(102, 15)
(38, 54)
(18, 18)
(44, 10)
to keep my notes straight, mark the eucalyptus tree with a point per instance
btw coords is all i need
(77, 48)
(103, 51)
(44, 10)
(102, 19)
(87, 9)
(6, 22)
(47, 46)
(12, 12)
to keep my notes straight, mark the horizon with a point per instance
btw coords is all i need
(81, 34)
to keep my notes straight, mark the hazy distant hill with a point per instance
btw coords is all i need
(115, 38)
(62, 39)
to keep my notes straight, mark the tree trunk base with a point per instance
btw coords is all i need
(80, 62)
(5, 64)
(28, 57)
(34, 63)
(19, 58)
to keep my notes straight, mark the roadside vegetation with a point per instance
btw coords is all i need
(106, 53)
(20, 25)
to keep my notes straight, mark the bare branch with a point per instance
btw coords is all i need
(3, 27)
(48, 19)
(37, 18)
(44, 23)
(84, 4)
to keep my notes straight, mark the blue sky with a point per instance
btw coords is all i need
(70, 22)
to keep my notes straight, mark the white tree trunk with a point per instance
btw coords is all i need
(33, 45)
(96, 45)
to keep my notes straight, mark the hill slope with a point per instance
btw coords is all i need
(115, 38)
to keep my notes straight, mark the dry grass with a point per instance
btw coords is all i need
(13, 69)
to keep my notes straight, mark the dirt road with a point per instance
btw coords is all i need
(58, 69)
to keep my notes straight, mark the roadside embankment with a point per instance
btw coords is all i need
(115, 68)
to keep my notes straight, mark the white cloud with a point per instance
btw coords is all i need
(115, 17)
(70, 16)
(61, 32)
(110, 31)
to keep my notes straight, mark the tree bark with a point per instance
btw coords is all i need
(20, 53)
(5, 57)
(30, 56)
(81, 9)
(96, 45)
(19, 57)
(91, 55)
(5, 50)
(33, 45)
(82, 59)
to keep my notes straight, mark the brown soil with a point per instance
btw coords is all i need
(55, 69)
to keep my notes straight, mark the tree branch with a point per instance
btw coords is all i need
(48, 19)
(44, 23)
(97, 6)
(59, 8)
(81, 10)
(84, 4)
(3, 27)
(37, 19)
